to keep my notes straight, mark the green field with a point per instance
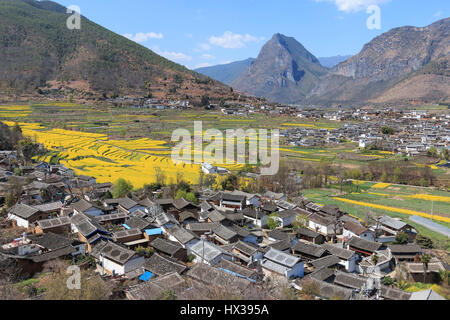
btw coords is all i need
(327, 196)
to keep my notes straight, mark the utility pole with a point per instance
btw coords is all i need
(432, 209)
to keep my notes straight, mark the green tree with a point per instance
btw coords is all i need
(384, 177)
(272, 221)
(387, 130)
(387, 281)
(28, 149)
(300, 221)
(230, 183)
(424, 241)
(433, 152)
(10, 200)
(445, 154)
(425, 258)
(205, 101)
(397, 175)
(401, 238)
(121, 188)
(189, 196)
(375, 259)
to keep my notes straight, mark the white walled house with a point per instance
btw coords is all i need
(207, 252)
(85, 207)
(281, 264)
(347, 258)
(116, 260)
(355, 230)
(25, 215)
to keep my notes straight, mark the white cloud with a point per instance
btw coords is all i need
(174, 56)
(208, 56)
(205, 46)
(143, 37)
(354, 5)
(438, 14)
(203, 65)
(232, 40)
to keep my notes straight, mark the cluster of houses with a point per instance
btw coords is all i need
(222, 243)
(412, 136)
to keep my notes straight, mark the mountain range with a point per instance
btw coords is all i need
(229, 72)
(39, 53)
(404, 65)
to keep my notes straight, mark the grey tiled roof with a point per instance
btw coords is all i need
(224, 232)
(112, 251)
(127, 203)
(160, 265)
(166, 246)
(181, 234)
(309, 249)
(364, 244)
(23, 210)
(349, 280)
(339, 252)
(327, 261)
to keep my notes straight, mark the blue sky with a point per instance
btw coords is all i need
(208, 32)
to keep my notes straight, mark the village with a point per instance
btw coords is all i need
(414, 131)
(229, 244)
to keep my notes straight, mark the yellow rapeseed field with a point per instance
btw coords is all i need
(381, 185)
(415, 196)
(392, 209)
(107, 160)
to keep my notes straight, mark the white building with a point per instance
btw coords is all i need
(282, 264)
(209, 168)
(116, 260)
(25, 215)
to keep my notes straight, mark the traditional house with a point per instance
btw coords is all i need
(275, 196)
(89, 231)
(329, 261)
(52, 209)
(348, 258)
(244, 235)
(389, 227)
(115, 259)
(207, 252)
(24, 216)
(169, 248)
(128, 235)
(128, 205)
(352, 229)
(182, 236)
(418, 273)
(224, 235)
(238, 270)
(282, 264)
(286, 217)
(160, 265)
(363, 247)
(309, 235)
(404, 253)
(250, 198)
(256, 216)
(85, 207)
(350, 280)
(308, 251)
(246, 253)
(231, 202)
(327, 226)
(55, 225)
